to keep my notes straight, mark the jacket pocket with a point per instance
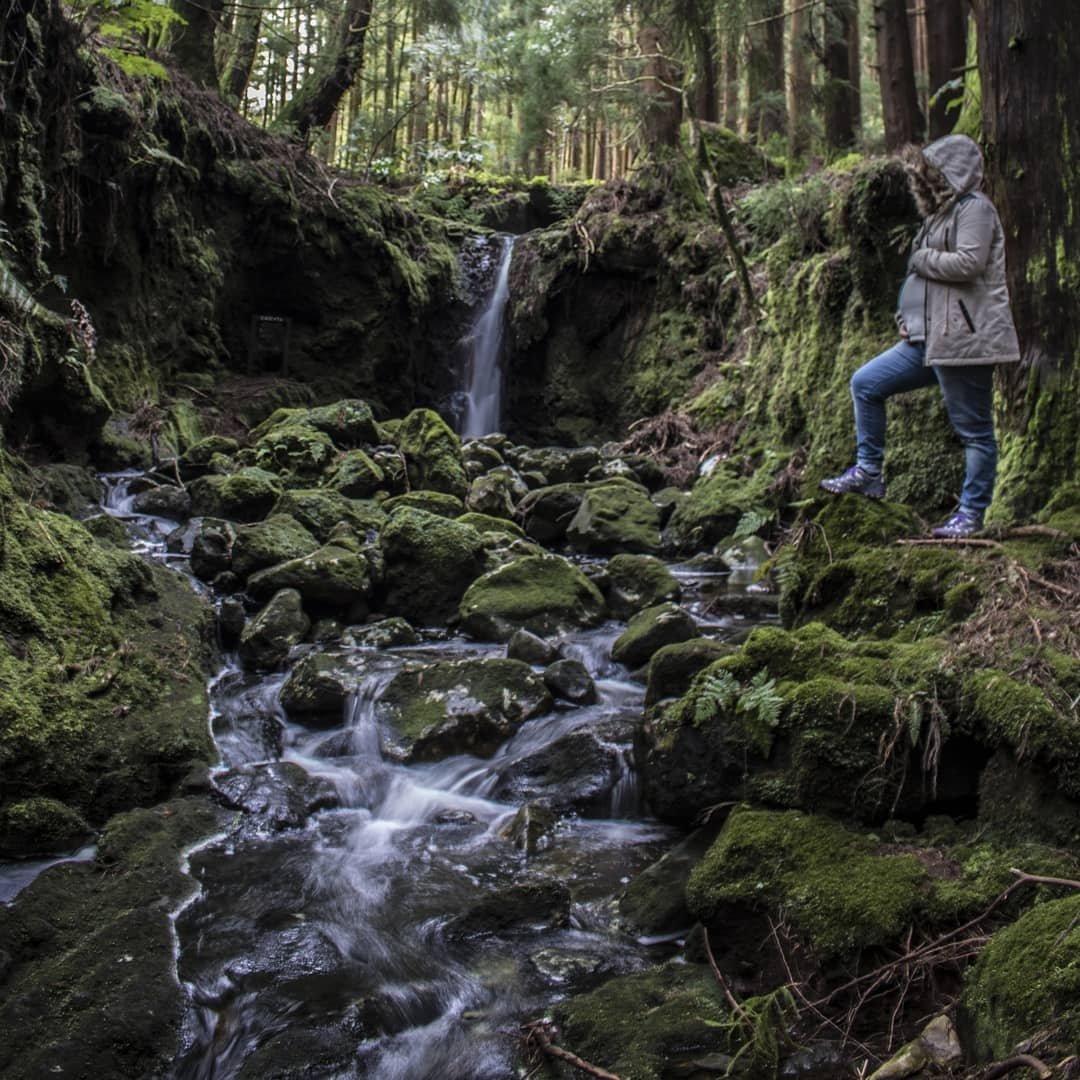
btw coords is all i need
(967, 315)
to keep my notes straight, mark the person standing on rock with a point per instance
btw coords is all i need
(955, 324)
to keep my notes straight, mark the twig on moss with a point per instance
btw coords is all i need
(1040, 879)
(950, 541)
(538, 1036)
(1021, 1061)
(732, 1000)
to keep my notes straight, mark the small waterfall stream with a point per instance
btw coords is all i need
(483, 384)
(412, 921)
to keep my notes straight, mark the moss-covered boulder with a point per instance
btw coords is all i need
(839, 894)
(672, 667)
(332, 576)
(533, 901)
(90, 986)
(429, 563)
(464, 706)
(320, 683)
(246, 495)
(492, 494)
(431, 502)
(432, 453)
(570, 680)
(197, 459)
(390, 633)
(636, 582)
(544, 594)
(294, 452)
(615, 518)
(348, 423)
(716, 504)
(163, 500)
(558, 464)
(274, 540)
(1026, 985)
(355, 475)
(484, 523)
(321, 510)
(650, 630)
(645, 1026)
(266, 640)
(40, 826)
(547, 511)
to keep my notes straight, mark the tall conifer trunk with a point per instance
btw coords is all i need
(839, 100)
(946, 48)
(896, 68)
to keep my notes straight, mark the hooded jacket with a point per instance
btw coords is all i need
(960, 255)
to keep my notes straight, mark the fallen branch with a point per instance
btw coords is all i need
(1021, 1061)
(950, 541)
(538, 1035)
(1039, 879)
(732, 1000)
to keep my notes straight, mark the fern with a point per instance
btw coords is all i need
(750, 523)
(761, 698)
(716, 695)
(760, 1032)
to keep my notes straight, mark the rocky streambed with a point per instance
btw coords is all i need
(482, 756)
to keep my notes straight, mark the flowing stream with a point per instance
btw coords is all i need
(483, 390)
(408, 918)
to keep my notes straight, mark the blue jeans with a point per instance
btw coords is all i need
(969, 396)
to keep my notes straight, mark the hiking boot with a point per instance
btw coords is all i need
(857, 480)
(962, 524)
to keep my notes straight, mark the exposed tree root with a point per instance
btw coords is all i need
(1021, 1061)
(538, 1040)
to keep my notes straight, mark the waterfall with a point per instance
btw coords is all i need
(483, 391)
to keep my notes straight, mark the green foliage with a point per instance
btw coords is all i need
(760, 1032)
(792, 209)
(129, 24)
(758, 701)
(751, 523)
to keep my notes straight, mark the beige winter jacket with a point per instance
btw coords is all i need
(961, 254)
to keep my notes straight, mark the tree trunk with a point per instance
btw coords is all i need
(896, 70)
(192, 46)
(840, 27)
(317, 99)
(245, 44)
(663, 99)
(765, 71)
(800, 84)
(707, 83)
(946, 48)
(1028, 58)
(731, 80)
(855, 68)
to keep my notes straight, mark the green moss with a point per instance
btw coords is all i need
(486, 523)
(294, 451)
(431, 502)
(615, 518)
(1026, 981)
(269, 542)
(716, 504)
(432, 453)
(319, 510)
(246, 495)
(838, 895)
(40, 826)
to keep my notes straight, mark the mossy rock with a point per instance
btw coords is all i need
(544, 594)
(463, 706)
(332, 576)
(355, 475)
(390, 633)
(348, 423)
(294, 452)
(1026, 983)
(492, 494)
(70, 489)
(839, 895)
(320, 683)
(672, 667)
(281, 623)
(429, 563)
(274, 540)
(636, 582)
(734, 159)
(432, 454)
(643, 1026)
(559, 465)
(90, 971)
(615, 518)
(548, 511)
(246, 495)
(321, 510)
(716, 504)
(40, 826)
(650, 630)
(483, 523)
(431, 502)
(200, 456)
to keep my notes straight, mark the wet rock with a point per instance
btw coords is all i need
(392, 464)
(544, 594)
(716, 504)
(530, 829)
(558, 465)
(531, 649)
(348, 422)
(455, 817)
(40, 826)
(294, 451)
(325, 630)
(937, 1045)
(430, 562)
(636, 582)
(246, 495)
(537, 902)
(562, 967)
(385, 634)
(280, 794)
(615, 518)
(573, 773)
(654, 903)
(432, 453)
(483, 523)
(356, 476)
(231, 618)
(165, 501)
(275, 540)
(463, 706)
(331, 576)
(483, 457)
(321, 510)
(548, 511)
(491, 494)
(571, 681)
(431, 502)
(649, 631)
(226, 583)
(211, 549)
(672, 667)
(266, 640)
(320, 684)
(666, 500)
(747, 554)
(196, 459)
